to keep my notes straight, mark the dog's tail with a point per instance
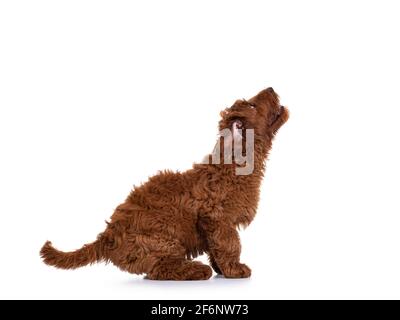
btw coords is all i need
(88, 254)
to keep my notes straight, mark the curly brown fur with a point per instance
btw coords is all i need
(175, 217)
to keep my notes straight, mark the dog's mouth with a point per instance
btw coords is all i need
(278, 114)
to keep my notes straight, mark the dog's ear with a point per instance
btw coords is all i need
(223, 113)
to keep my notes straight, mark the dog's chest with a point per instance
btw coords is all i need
(243, 203)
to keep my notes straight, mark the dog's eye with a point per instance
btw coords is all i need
(252, 105)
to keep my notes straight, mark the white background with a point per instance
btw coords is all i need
(96, 96)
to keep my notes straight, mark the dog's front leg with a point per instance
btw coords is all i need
(224, 250)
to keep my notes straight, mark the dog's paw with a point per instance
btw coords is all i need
(180, 270)
(200, 272)
(236, 270)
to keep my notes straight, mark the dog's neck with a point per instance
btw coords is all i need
(260, 154)
(242, 190)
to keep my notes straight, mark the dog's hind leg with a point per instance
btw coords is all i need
(159, 258)
(169, 262)
(170, 268)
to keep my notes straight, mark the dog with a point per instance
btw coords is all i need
(175, 217)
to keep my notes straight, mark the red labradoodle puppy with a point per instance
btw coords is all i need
(175, 217)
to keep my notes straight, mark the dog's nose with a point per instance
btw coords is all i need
(270, 90)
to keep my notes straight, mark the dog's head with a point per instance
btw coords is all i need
(263, 113)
